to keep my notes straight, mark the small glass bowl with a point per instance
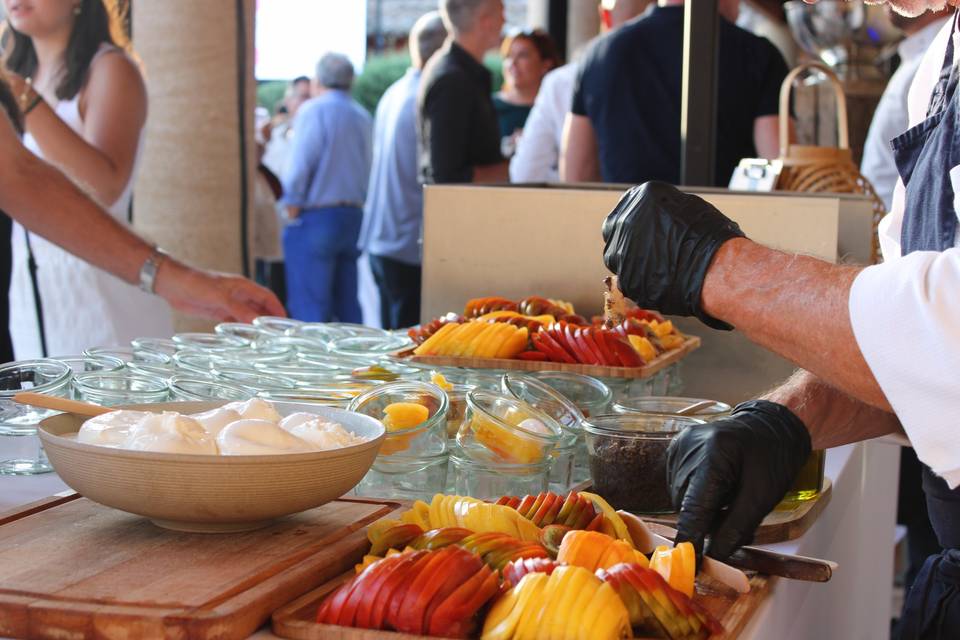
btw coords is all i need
(318, 331)
(254, 380)
(504, 429)
(154, 345)
(201, 362)
(405, 478)
(276, 325)
(545, 398)
(591, 396)
(195, 388)
(111, 389)
(209, 341)
(368, 347)
(627, 455)
(323, 397)
(50, 377)
(669, 405)
(487, 479)
(564, 468)
(353, 329)
(124, 353)
(297, 346)
(248, 332)
(80, 364)
(425, 439)
(304, 375)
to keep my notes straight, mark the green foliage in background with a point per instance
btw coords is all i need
(380, 72)
(269, 94)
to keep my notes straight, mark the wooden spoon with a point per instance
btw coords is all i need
(60, 404)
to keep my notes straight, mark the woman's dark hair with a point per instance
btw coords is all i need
(540, 40)
(99, 21)
(8, 103)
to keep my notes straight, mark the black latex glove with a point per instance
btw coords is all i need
(660, 242)
(726, 476)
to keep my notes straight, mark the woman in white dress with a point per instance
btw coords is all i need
(89, 124)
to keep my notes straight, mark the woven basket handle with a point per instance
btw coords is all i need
(843, 136)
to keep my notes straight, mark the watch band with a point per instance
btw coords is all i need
(148, 272)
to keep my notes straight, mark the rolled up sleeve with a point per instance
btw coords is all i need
(905, 315)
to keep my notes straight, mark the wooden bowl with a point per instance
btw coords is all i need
(206, 493)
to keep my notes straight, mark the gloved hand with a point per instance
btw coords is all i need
(744, 463)
(660, 242)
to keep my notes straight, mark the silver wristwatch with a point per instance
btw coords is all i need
(148, 272)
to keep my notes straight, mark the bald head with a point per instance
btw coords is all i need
(426, 37)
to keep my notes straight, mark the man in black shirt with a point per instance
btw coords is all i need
(459, 134)
(625, 121)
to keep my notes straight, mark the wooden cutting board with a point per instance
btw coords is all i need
(788, 521)
(73, 569)
(297, 620)
(656, 365)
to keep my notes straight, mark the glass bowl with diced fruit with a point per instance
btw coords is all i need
(413, 413)
(503, 428)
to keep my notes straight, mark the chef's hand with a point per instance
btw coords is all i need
(726, 476)
(220, 296)
(660, 242)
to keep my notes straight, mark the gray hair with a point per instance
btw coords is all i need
(335, 71)
(427, 35)
(459, 16)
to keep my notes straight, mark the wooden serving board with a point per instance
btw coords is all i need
(297, 620)
(788, 522)
(73, 569)
(651, 368)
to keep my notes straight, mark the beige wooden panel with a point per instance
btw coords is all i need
(518, 241)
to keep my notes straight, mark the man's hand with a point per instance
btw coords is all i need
(220, 296)
(293, 212)
(660, 243)
(726, 476)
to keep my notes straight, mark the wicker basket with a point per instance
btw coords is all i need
(823, 169)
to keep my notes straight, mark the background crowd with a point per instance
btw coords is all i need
(353, 184)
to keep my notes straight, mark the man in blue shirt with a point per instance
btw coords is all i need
(325, 185)
(394, 211)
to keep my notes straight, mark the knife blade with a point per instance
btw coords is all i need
(770, 562)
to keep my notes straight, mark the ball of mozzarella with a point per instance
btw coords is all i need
(110, 429)
(170, 432)
(255, 409)
(322, 434)
(259, 437)
(215, 420)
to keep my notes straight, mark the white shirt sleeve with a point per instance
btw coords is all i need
(905, 315)
(537, 158)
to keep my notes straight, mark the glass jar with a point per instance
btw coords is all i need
(570, 457)
(248, 332)
(276, 325)
(188, 388)
(368, 347)
(424, 439)
(209, 341)
(111, 389)
(80, 364)
(670, 405)
(323, 397)
(405, 478)
(124, 353)
(320, 332)
(254, 380)
(21, 452)
(201, 362)
(488, 479)
(809, 482)
(154, 345)
(627, 455)
(502, 428)
(590, 395)
(353, 329)
(296, 345)
(304, 375)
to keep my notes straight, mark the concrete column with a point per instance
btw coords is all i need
(583, 24)
(195, 185)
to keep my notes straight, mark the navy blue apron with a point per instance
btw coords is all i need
(925, 155)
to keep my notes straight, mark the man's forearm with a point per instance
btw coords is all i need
(795, 306)
(47, 203)
(832, 417)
